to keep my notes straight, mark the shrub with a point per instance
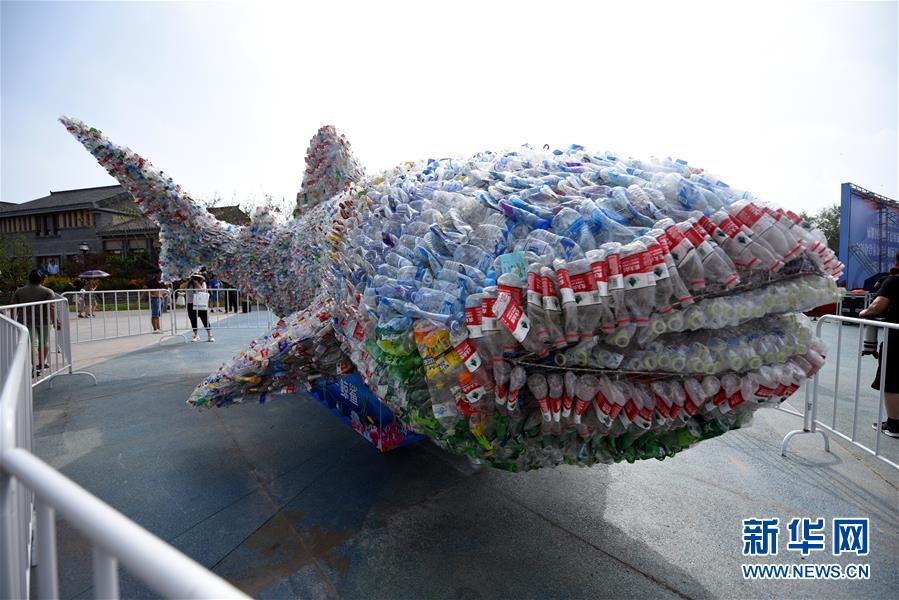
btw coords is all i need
(58, 283)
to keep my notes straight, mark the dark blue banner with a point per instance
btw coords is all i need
(869, 234)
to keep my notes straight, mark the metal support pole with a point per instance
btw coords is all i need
(47, 578)
(106, 575)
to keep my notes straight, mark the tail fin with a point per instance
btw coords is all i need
(258, 258)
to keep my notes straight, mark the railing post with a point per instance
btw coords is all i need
(47, 578)
(106, 575)
(883, 387)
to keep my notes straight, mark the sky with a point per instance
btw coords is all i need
(786, 99)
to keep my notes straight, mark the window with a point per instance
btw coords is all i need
(48, 225)
(112, 246)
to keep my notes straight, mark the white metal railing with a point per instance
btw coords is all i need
(248, 312)
(110, 314)
(811, 422)
(29, 486)
(16, 501)
(49, 331)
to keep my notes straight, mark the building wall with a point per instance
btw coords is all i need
(68, 237)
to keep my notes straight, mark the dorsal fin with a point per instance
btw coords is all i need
(330, 168)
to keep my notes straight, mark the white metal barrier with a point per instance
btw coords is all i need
(28, 485)
(229, 308)
(110, 314)
(811, 422)
(16, 501)
(49, 327)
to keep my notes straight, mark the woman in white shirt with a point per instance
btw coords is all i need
(197, 304)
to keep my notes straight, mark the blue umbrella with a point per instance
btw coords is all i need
(95, 274)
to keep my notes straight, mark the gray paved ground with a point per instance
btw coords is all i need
(285, 501)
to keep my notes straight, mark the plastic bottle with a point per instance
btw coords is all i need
(517, 379)
(598, 266)
(559, 401)
(468, 254)
(664, 291)
(534, 303)
(552, 309)
(679, 289)
(587, 386)
(639, 282)
(586, 296)
(615, 279)
(740, 246)
(764, 226)
(502, 371)
(570, 387)
(540, 390)
(608, 402)
(569, 305)
(689, 264)
(717, 268)
(512, 317)
(493, 338)
(475, 274)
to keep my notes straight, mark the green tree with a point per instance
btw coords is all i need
(15, 262)
(827, 220)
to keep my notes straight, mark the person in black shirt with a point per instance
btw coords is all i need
(887, 304)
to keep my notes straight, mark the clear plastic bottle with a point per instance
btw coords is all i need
(689, 264)
(557, 396)
(586, 296)
(764, 226)
(540, 390)
(615, 279)
(569, 305)
(493, 337)
(512, 317)
(741, 247)
(502, 371)
(552, 308)
(679, 289)
(717, 268)
(534, 304)
(587, 386)
(517, 379)
(639, 282)
(597, 260)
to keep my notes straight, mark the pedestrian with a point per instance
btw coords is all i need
(78, 286)
(232, 298)
(38, 319)
(887, 304)
(90, 298)
(52, 267)
(214, 286)
(156, 296)
(197, 299)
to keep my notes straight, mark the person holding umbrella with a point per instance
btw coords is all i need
(90, 286)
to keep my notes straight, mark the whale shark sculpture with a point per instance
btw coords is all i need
(524, 309)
